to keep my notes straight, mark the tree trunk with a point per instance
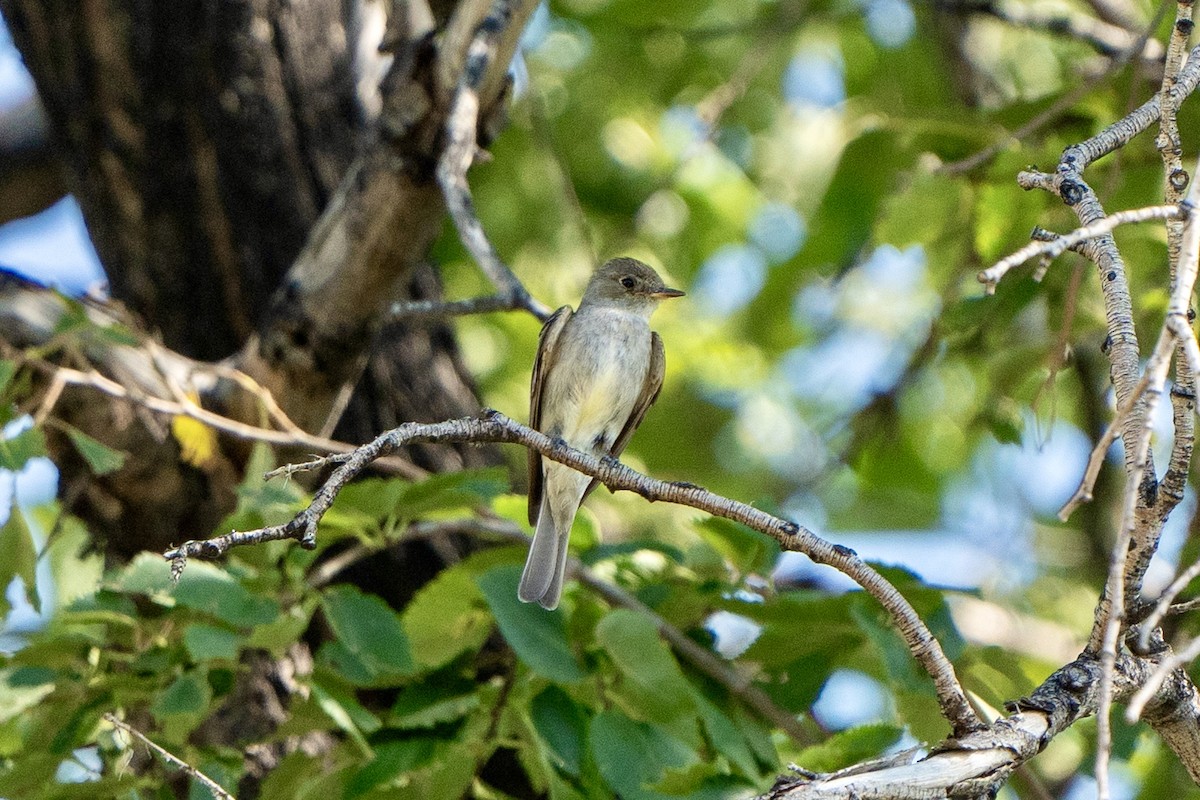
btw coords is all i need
(203, 140)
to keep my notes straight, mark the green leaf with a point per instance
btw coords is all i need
(100, 458)
(22, 689)
(209, 643)
(538, 637)
(392, 759)
(562, 725)
(188, 694)
(727, 739)
(16, 451)
(447, 617)
(370, 630)
(204, 587)
(849, 747)
(18, 555)
(346, 719)
(374, 497)
(901, 668)
(77, 572)
(278, 634)
(652, 676)
(748, 551)
(433, 701)
(451, 490)
(183, 704)
(632, 756)
(8, 369)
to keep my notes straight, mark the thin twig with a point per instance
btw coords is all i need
(1059, 245)
(1163, 605)
(1137, 703)
(493, 427)
(214, 787)
(1122, 581)
(158, 405)
(462, 123)
(436, 310)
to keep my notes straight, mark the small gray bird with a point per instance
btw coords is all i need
(597, 371)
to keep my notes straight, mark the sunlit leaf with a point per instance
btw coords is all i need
(16, 451)
(18, 555)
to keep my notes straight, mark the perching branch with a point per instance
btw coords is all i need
(492, 426)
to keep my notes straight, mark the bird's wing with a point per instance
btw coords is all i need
(651, 386)
(547, 344)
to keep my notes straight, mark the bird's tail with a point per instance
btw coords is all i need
(542, 580)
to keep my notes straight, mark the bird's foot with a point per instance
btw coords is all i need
(610, 461)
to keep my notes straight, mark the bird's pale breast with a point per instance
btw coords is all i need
(599, 372)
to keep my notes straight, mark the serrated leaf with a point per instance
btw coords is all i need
(101, 459)
(340, 715)
(374, 497)
(276, 635)
(18, 555)
(447, 617)
(451, 490)
(77, 573)
(370, 630)
(204, 587)
(431, 702)
(652, 677)
(391, 760)
(16, 451)
(727, 739)
(22, 688)
(633, 756)
(537, 636)
(182, 704)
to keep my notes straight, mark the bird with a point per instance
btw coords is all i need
(597, 371)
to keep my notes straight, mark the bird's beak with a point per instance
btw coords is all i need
(664, 293)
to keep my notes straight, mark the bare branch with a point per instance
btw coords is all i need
(978, 764)
(1060, 244)
(217, 790)
(185, 408)
(495, 427)
(462, 124)
(434, 311)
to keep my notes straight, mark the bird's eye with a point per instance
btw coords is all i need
(627, 282)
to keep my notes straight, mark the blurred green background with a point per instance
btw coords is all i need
(792, 165)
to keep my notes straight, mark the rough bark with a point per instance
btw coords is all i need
(203, 141)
